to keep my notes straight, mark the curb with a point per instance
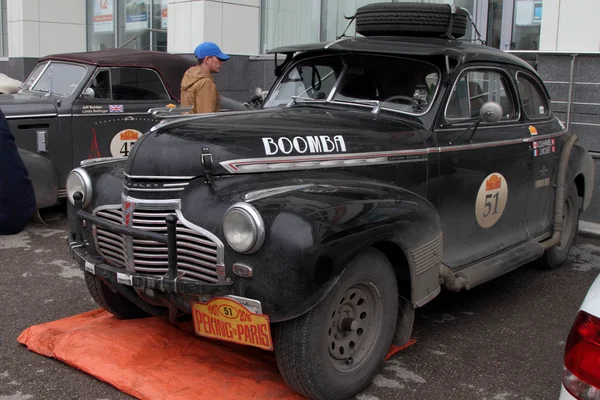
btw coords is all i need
(589, 229)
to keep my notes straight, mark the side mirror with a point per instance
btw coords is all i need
(491, 112)
(88, 94)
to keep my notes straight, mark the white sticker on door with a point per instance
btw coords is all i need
(122, 142)
(491, 200)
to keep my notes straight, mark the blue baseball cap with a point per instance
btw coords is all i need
(208, 49)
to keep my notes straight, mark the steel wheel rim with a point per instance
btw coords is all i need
(354, 323)
(567, 225)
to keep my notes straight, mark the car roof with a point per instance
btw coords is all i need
(415, 46)
(170, 67)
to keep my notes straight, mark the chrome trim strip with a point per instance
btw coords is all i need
(264, 193)
(303, 162)
(158, 177)
(64, 115)
(87, 186)
(150, 204)
(584, 123)
(40, 75)
(319, 161)
(31, 116)
(176, 184)
(109, 114)
(100, 160)
(152, 190)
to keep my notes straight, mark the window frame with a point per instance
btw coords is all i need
(144, 68)
(510, 87)
(544, 93)
(89, 84)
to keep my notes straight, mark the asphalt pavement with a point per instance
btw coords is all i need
(503, 340)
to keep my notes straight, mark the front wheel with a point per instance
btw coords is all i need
(335, 350)
(558, 254)
(113, 302)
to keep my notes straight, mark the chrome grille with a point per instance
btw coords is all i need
(111, 245)
(197, 255)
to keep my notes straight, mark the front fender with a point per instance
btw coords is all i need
(313, 231)
(43, 177)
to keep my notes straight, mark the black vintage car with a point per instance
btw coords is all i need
(381, 169)
(82, 106)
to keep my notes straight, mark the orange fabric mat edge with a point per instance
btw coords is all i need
(135, 357)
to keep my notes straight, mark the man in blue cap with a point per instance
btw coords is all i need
(198, 88)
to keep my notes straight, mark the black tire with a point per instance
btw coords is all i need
(303, 346)
(557, 255)
(400, 19)
(111, 301)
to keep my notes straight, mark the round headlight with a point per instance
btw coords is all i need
(244, 228)
(78, 180)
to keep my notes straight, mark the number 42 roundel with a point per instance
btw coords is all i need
(491, 200)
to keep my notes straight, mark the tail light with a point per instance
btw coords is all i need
(582, 358)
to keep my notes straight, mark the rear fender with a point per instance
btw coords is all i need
(43, 177)
(581, 170)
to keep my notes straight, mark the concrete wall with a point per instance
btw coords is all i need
(233, 24)
(570, 25)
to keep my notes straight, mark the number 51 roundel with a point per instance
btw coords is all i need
(491, 200)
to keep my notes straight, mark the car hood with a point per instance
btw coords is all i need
(25, 104)
(248, 141)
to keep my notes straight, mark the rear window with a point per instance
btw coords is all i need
(535, 103)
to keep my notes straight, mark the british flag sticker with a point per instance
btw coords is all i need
(117, 108)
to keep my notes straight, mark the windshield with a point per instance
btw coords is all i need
(59, 79)
(310, 79)
(34, 75)
(398, 84)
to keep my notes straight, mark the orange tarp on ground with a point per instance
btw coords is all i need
(152, 359)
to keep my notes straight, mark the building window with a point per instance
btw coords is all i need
(139, 24)
(289, 22)
(527, 23)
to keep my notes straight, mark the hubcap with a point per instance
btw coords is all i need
(355, 321)
(567, 225)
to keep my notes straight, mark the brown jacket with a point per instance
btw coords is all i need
(198, 89)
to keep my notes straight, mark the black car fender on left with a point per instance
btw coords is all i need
(313, 230)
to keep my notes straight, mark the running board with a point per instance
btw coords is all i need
(493, 267)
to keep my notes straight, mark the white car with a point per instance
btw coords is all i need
(581, 377)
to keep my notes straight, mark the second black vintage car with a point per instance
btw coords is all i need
(381, 169)
(92, 105)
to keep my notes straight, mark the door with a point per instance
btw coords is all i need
(483, 184)
(545, 153)
(112, 112)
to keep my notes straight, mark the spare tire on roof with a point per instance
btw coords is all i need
(410, 19)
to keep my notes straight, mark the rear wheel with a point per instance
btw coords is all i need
(112, 301)
(335, 350)
(558, 254)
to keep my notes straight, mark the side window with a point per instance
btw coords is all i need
(535, 103)
(137, 84)
(476, 88)
(101, 85)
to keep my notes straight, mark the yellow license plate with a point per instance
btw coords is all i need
(225, 319)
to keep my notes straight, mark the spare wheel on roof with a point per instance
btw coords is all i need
(410, 19)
